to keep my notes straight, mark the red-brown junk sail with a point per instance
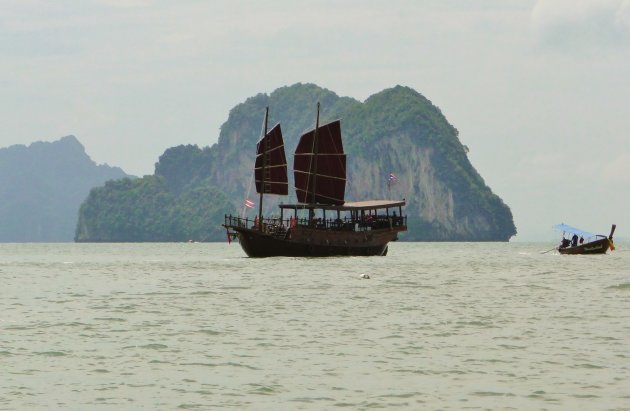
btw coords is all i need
(272, 178)
(320, 166)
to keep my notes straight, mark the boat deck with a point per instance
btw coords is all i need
(277, 226)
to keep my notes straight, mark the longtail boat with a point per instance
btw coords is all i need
(321, 223)
(583, 242)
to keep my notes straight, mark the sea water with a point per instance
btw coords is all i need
(200, 326)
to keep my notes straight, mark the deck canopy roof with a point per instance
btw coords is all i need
(349, 206)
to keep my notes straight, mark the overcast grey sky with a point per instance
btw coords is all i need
(539, 89)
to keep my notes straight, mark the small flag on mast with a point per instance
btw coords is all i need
(249, 203)
(392, 178)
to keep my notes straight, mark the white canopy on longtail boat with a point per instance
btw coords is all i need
(568, 229)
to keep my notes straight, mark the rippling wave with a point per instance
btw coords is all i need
(198, 326)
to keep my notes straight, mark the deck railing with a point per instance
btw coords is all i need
(278, 226)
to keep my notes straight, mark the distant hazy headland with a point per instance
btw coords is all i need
(42, 187)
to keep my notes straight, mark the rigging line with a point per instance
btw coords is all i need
(251, 181)
(310, 167)
(315, 155)
(249, 189)
(262, 129)
(311, 155)
(302, 210)
(308, 178)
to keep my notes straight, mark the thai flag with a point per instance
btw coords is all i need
(249, 203)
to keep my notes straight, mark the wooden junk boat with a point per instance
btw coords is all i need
(321, 223)
(583, 242)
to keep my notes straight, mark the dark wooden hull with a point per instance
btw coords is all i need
(306, 242)
(600, 246)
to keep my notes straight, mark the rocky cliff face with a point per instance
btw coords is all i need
(447, 199)
(434, 207)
